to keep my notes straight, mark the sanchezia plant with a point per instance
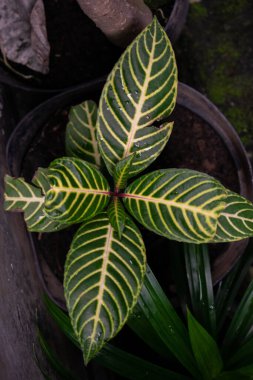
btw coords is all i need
(106, 262)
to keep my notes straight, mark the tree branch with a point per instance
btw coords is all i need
(120, 20)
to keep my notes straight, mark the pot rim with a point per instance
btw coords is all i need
(188, 98)
(173, 28)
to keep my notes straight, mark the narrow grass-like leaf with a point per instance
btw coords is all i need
(134, 368)
(200, 285)
(55, 362)
(205, 349)
(78, 191)
(102, 280)
(117, 215)
(155, 306)
(236, 220)
(229, 287)
(229, 375)
(126, 365)
(179, 204)
(246, 371)
(141, 89)
(80, 137)
(61, 319)
(121, 172)
(242, 357)
(139, 323)
(21, 196)
(240, 328)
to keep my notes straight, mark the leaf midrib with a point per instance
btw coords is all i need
(138, 109)
(182, 206)
(234, 216)
(102, 279)
(80, 190)
(27, 199)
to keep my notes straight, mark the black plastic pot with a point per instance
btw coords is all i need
(173, 28)
(190, 99)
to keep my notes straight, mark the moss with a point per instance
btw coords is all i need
(198, 11)
(229, 8)
(215, 57)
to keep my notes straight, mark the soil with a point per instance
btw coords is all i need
(193, 144)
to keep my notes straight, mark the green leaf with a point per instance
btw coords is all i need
(78, 191)
(117, 215)
(21, 196)
(236, 220)
(56, 364)
(179, 204)
(121, 172)
(205, 349)
(229, 375)
(134, 368)
(141, 89)
(229, 287)
(102, 280)
(139, 323)
(41, 180)
(242, 357)
(80, 138)
(155, 306)
(61, 319)
(246, 371)
(200, 285)
(119, 361)
(240, 328)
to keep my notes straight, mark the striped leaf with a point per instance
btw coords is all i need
(78, 191)
(103, 278)
(121, 172)
(117, 215)
(236, 220)
(140, 90)
(41, 180)
(80, 138)
(180, 204)
(21, 196)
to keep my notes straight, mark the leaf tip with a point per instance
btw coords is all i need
(91, 347)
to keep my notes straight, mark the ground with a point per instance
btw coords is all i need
(215, 55)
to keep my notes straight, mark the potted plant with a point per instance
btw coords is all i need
(70, 30)
(180, 204)
(39, 138)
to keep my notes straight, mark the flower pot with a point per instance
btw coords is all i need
(99, 59)
(28, 141)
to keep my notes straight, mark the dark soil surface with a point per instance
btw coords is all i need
(79, 50)
(193, 144)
